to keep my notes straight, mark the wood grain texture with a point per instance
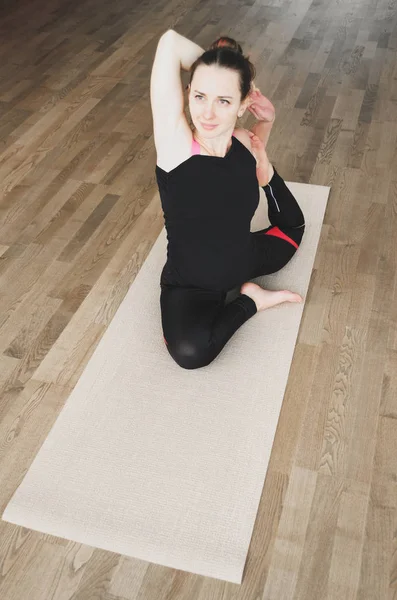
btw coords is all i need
(80, 211)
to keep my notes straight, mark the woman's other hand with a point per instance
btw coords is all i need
(260, 106)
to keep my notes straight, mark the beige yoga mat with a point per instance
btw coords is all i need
(161, 463)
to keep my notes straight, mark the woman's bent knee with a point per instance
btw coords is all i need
(295, 233)
(190, 355)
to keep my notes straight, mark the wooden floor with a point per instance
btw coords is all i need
(79, 213)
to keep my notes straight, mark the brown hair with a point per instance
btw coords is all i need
(227, 53)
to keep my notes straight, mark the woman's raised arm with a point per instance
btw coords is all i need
(166, 95)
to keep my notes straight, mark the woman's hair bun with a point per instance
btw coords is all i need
(226, 42)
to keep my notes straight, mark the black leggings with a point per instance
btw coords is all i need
(196, 322)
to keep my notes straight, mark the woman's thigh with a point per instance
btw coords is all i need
(274, 248)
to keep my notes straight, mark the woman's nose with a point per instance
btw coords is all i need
(208, 111)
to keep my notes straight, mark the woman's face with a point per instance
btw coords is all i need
(214, 99)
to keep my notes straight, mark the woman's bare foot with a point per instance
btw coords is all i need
(265, 298)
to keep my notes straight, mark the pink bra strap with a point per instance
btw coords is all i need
(196, 146)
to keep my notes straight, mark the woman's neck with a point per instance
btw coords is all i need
(218, 146)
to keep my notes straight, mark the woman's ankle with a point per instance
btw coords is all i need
(270, 175)
(271, 172)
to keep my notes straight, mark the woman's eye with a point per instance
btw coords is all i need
(222, 99)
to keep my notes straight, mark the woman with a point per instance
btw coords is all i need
(208, 182)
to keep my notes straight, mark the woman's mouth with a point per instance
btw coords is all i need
(208, 126)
